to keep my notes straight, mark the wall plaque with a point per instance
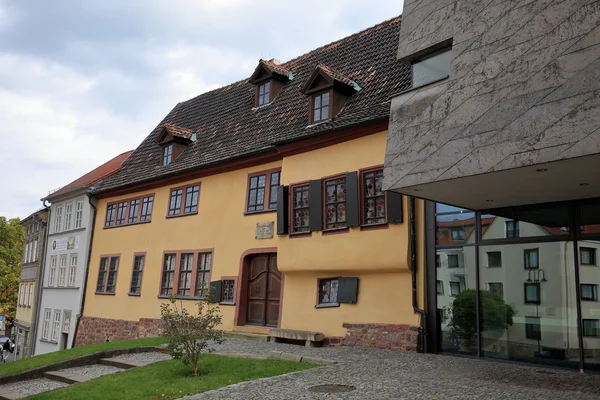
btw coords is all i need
(264, 230)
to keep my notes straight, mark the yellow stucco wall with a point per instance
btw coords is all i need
(378, 257)
(24, 313)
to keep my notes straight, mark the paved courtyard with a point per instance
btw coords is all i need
(385, 374)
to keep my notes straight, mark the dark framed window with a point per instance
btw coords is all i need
(136, 277)
(440, 288)
(110, 215)
(134, 209)
(512, 229)
(300, 209)
(228, 291)
(532, 293)
(264, 93)
(328, 291)
(167, 154)
(320, 103)
(175, 202)
(121, 213)
(532, 258)
(373, 197)
(453, 261)
(589, 292)
(203, 274)
(180, 205)
(587, 256)
(186, 266)
(458, 234)
(191, 199)
(335, 203)
(454, 288)
(262, 191)
(107, 274)
(431, 68)
(494, 259)
(147, 204)
(168, 275)
(591, 327)
(496, 288)
(438, 261)
(533, 329)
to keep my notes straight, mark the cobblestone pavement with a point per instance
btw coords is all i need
(93, 371)
(33, 386)
(148, 358)
(386, 374)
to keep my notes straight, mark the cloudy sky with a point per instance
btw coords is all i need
(83, 81)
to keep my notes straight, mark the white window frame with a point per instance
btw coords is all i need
(79, 214)
(52, 274)
(26, 295)
(72, 270)
(66, 325)
(62, 271)
(35, 248)
(30, 302)
(68, 216)
(21, 291)
(46, 324)
(58, 219)
(56, 325)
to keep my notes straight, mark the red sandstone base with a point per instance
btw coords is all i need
(96, 330)
(380, 336)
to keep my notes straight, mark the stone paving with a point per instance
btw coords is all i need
(93, 371)
(32, 386)
(386, 374)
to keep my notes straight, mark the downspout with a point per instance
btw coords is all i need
(413, 269)
(87, 268)
(40, 283)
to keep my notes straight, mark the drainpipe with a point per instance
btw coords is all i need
(87, 268)
(39, 283)
(413, 269)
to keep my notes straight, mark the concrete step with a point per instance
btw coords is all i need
(11, 395)
(261, 330)
(125, 364)
(65, 377)
(250, 336)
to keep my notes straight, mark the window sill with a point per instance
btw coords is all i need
(412, 89)
(129, 224)
(312, 125)
(48, 341)
(227, 303)
(67, 231)
(60, 287)
(181, 215)
(584, 265)
(104, 293)
(335, 231)
(327, 305)
(300, 234)
(259, 212)
(164, 296)
(374, 227)
(134, 294)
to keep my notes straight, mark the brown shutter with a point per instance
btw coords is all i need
(215, 291)
(394, 207)
(315, 211)
(352, 218)
(348, 290)
(282, 210)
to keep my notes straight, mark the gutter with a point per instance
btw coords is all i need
(39, 283)
(413, 269)
(87, 268)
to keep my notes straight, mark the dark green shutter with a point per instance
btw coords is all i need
(282, 210)
(352, 218)
(394, 207)
(315, 211)
(348, 290)
(215, 291)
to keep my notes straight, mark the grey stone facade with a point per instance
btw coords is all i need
(523, 90)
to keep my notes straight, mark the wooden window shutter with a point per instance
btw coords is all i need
(348, 290)
(315, 211)
(394, 207)
(352, 218)
(215, 291)
(282, 210)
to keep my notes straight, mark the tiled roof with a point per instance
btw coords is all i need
(178, 130)
(276, 68)
(228, 127)
(105, 170)
(337, 76)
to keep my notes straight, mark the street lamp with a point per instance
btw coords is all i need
(537, 274)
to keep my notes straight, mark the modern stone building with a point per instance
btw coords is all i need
(503, 118)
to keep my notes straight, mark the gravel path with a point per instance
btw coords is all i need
(144, 357)
(33, 386)
(93, 371)
(385, 374)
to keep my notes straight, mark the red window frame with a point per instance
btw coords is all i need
(140, 275)
(191, 292)
(304, 187)
(180, 210)
(325, 182)
(269, 189)
(363, 197)
(104, 275)
(124, 209)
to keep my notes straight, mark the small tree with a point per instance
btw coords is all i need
(189, 334)
(12, 237)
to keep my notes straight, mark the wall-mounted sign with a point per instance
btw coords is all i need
(264, 230)
(70, 243)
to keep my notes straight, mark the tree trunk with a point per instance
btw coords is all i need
(195, 362)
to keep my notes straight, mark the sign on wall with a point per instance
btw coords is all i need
(264, 230)
(70, 243)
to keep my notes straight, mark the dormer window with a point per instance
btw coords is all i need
(264, 93)
(167, 154)
(321, 107)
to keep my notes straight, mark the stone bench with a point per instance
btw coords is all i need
(310, 339)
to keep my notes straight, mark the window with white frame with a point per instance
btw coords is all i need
(21, 291)
(34, 255)
(62, 270)
(56, 325)
(26, 295)
(66, 321)
(79, 214)
(68, 214)
(25, 254)
(30, 301)
(72, 270)
(46, 325)
(58, 219)
(52, 275)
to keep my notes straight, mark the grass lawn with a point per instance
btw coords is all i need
(49, 358)
(172, 379)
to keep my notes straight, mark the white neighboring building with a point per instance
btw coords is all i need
(70, 227)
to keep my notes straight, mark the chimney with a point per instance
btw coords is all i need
(275, 61)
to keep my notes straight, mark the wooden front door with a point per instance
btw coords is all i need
(264, 291)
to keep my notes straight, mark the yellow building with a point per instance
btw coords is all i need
(268, 191)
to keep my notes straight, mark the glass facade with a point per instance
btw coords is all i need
(519, 283)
